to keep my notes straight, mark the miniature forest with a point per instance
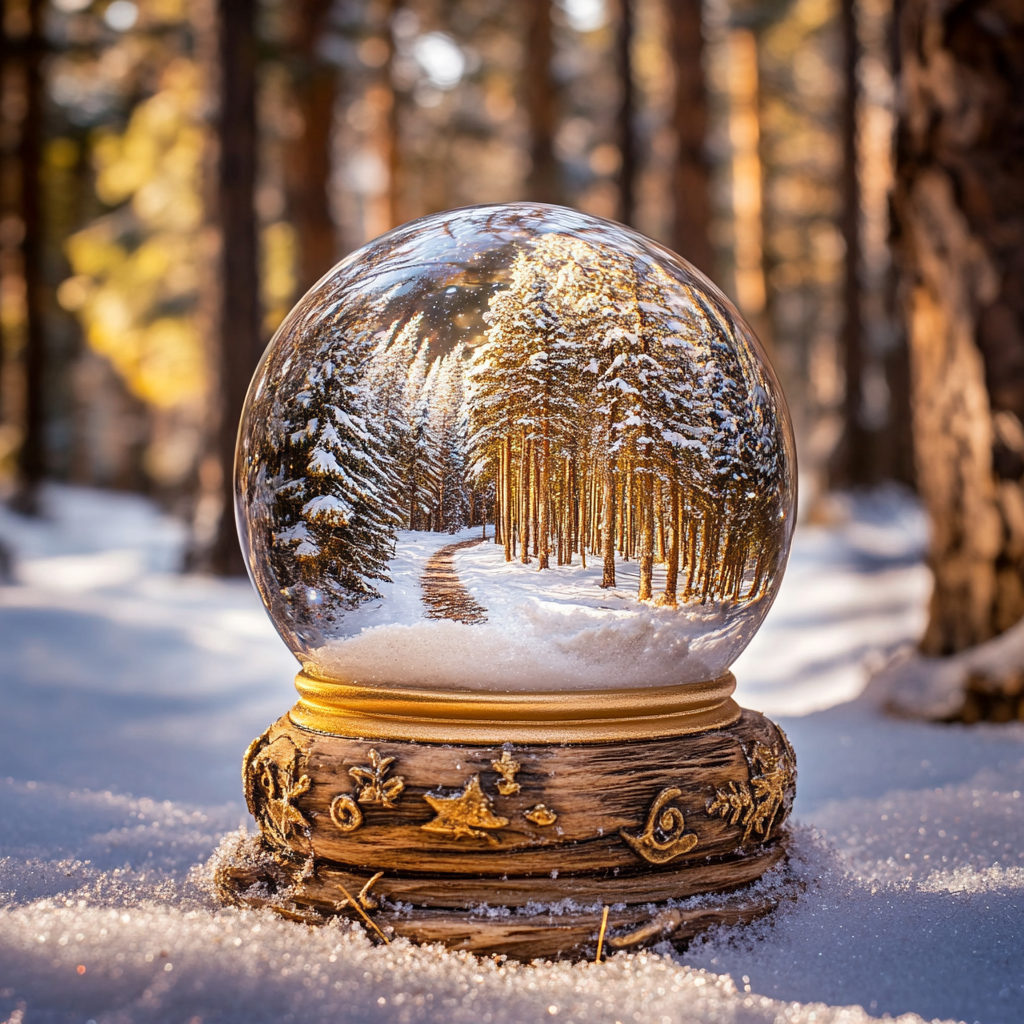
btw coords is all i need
(604, 410)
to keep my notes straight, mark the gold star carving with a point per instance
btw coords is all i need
(465, 814)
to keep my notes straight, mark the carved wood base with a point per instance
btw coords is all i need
(514, 849)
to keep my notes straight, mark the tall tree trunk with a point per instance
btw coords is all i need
(309, 164)
(240, 312)
(626, 113)
(608, 503)
(506, 497)
(32, 452)
(524, 502)
(543, 184)
(582, 523)
(691, 175)
(390, 125)
(959, 203)
(544, 503)
(852, 462)
(672, 565)
(646, 554)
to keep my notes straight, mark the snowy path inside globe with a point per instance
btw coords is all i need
(460, 615)
(444, 595)
(130, 693)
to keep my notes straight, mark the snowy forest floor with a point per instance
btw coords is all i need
(129, 694)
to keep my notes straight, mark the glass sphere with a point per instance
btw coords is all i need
(515, 447)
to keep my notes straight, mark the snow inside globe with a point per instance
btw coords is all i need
(515, 448)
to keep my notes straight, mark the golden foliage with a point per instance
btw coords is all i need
(137, 270)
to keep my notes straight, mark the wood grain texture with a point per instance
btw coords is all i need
(524, 934)
(476, 847)
(453, 825)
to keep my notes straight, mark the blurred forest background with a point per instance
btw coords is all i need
(174, 174)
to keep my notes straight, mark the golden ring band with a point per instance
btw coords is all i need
(489, 717)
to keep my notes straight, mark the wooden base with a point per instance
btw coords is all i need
(515, 849)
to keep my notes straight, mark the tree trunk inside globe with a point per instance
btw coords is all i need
(515, 847)
(959, 204)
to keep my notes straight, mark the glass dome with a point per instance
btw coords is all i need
(515, 447)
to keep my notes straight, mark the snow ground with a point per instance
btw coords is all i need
(129, 694)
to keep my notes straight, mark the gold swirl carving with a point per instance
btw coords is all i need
(345, 813)
(664, 836)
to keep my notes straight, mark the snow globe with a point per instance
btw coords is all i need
(516, 486)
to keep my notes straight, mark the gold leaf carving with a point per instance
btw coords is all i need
(345, 813)
(507, 768)
(664, 836)
(541, 815)
(756, 804)
(465, 814)
(375, 787)
(274, 780)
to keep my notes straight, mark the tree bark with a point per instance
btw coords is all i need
(543, 184)
(608, 503)
(691, 173)
(240, 346)
(646, 558)
(672, 566)
(543, 503)
(315, 85)
(959, 203)
(852, 463)
(626, 114)
(32, 452)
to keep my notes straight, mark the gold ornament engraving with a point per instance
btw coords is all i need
(376, 788)
(464, 815)
(756, 804)
(273, 781)
(664, 837)
(507, 768)
(345, 813)
(541, 815)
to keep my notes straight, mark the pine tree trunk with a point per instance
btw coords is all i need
(506, 497)
(309, 164)
(544, 503)
(627, 130)
(959, 203)
(534, 482)
(852, 462)
(32, 452)
(543, 184)
(524, 502)
(672, 567)
(584, 498)
(608, 503)
(390, 126)
(692, 178)
(240, 343)
(646, 510)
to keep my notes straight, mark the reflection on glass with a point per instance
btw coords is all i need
(515, 447)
